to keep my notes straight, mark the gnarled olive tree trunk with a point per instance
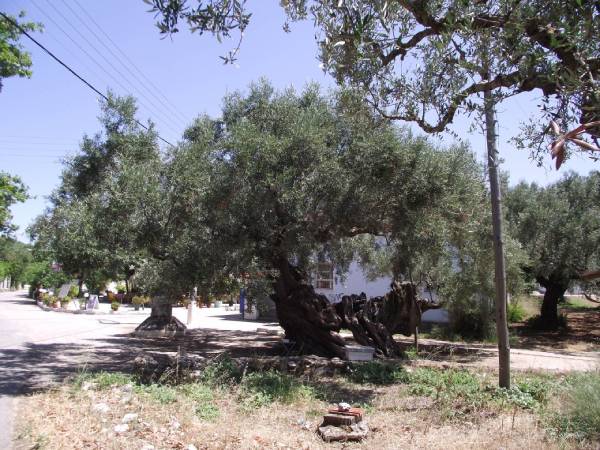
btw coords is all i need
(313, 323)
(555, 290)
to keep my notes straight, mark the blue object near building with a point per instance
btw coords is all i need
(242, 301)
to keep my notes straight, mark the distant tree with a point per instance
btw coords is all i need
(559, 228)
(12, 190)
(15, 258)
(14, 60)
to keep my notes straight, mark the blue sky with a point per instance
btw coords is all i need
(42, 119)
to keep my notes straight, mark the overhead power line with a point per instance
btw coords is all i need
(126, 62)
(108, 63)
(75, 74)
(103, 67)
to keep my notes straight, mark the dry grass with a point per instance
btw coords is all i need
(230, 418)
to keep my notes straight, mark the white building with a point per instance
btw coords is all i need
(355, 282)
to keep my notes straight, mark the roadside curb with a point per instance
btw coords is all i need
(80, 311)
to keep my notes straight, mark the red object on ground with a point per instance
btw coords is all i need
(356, 412)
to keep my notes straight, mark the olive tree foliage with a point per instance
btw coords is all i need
(14, 60)
(90, 226)
(559, 228)
(12, 190)
(15, 259)
(427, 61)
(295, 178)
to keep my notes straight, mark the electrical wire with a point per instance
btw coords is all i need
(116, 80)
(156, 110)
(75, 74)
(166, 103)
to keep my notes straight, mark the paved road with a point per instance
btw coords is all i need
(36, 346)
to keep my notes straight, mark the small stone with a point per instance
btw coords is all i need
(129, 417)
(121, 428)
(101, 407)
(127, 388)
(192, 447)
(147, 447)
(125, 400)
(175, 424)
(87, 385)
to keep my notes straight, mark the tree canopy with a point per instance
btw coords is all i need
(14, 60)
(425, 61)
(12, 190)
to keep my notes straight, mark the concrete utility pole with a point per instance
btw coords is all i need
(500, 268)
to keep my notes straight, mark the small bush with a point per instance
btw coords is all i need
(221, 370)
(103, 380)
(263, 388)
(160, 393)
(579, 411)
(515, 312)
(377, 372)
(73, 291)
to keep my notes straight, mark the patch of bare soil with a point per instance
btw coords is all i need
(582, 333)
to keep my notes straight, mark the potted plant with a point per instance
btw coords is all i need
(73, 292)
(64, 303)
(82, 301)
(54, 301)
(139, 300)
(114, 306)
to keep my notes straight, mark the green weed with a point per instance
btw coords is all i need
(263, 388)
(578, 415)
(376, 372)
(160, 393)
(515, 312)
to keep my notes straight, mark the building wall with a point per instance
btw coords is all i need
(356, 282)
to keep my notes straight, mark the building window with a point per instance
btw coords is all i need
(324, 279)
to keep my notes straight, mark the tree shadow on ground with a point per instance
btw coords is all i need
(456, 353)
(25, 301)
(582, 334)
(334, 391)
(37, 366)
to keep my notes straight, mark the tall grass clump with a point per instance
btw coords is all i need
(578, 413)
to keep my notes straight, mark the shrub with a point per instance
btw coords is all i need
(73, 291)
(377, 372)
(114, 305)
(263, 388)
(221, 370)
(515, 312)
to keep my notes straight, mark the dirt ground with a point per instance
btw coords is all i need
(581, 335)
(66, 418)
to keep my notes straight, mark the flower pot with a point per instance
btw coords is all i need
(136, 307)
(218, 304)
